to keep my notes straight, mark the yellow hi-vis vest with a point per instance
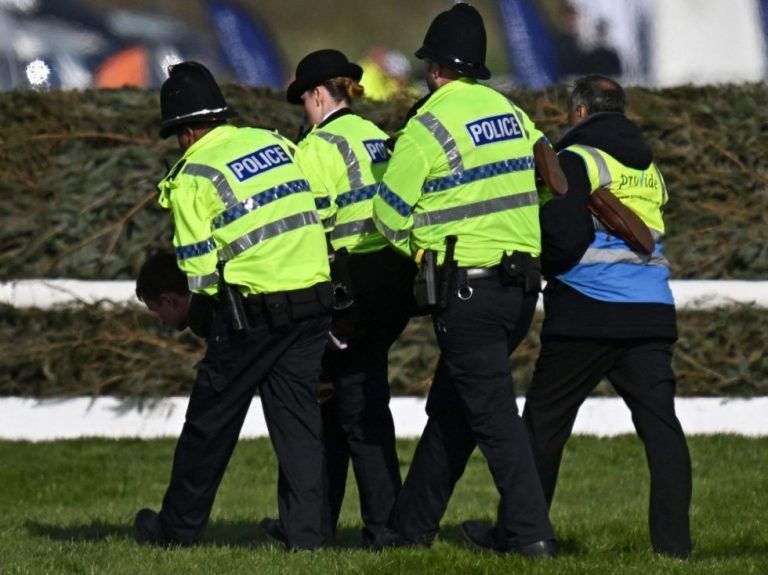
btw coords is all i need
(610, 270)
(463, 166)
(236, 195)
(643, 191)
(344, 162)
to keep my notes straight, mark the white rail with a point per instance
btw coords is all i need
(45, 420)
(46, 293)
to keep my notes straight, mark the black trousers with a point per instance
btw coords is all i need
(357, 421)
(284, 365)
(640, 370)
(472, 403)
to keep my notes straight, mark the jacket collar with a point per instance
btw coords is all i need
(337, 114)
(212, 138)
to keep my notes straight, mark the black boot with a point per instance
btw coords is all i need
(274, 530)
(481, 536)
(148, 530)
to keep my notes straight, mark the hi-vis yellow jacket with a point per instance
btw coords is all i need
(236, 195)
(610, 270)
(344, 161)
(463, 166)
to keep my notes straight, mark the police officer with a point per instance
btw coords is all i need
(344, 157)
(609, 311)
(249, 239)
(460, 186)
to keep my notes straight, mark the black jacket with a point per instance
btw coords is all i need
(567, 231)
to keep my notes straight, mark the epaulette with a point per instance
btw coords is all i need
(174, 171)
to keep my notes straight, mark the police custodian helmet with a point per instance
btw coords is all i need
(190, 95)
(317, 67)
(456, 39)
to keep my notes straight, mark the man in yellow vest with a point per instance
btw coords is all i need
(459, 196)
(249, 239)
(609, 311)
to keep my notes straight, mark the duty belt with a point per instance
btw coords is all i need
(521, 270)
(464, 289)
(477, 273)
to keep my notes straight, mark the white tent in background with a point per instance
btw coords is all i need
(689, 41)
(707, 42)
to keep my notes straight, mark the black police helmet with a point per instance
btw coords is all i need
(456, 39)
(189, 96)
(316, 68)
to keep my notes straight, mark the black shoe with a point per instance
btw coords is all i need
(148, 530)
(369, 539)
(389, 539)
(543, 549)
(672, 554)
(274, 530)
(481, 536)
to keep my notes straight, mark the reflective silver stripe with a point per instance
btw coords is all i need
(266, 232)
(350, 159)
(610, 256)
(600, 227)
(476, 209)
(664, 194)
(603, 173)
(329, 222)
(389, 233)
(202, 282)
(446, 141)
(218, 180)
(365, 226)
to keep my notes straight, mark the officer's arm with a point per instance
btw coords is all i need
(566, 226)
(399, 192)
(311, 160)
(196, 252)
(548, 169)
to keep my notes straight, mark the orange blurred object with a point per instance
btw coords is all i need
(129, 67)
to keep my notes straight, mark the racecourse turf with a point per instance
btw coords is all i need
(68, 507)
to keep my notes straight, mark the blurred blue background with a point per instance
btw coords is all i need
(78, 44)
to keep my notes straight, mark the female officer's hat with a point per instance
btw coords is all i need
(189, 96)
(316, 68)
(456, 39)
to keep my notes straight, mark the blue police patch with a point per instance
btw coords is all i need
(258, 162)
(377, 149)
(494, 129)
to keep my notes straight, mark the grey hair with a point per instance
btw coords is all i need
(599, 94)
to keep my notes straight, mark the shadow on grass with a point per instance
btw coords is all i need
(249, 534)
(451, 534)
(724, 551)
(239, 534)
(94, 531)
(243, 534)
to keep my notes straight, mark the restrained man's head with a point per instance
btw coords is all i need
(162, 286)
(595, 93)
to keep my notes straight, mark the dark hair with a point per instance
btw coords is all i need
(599, 94)
(202, 125)
(158, 275)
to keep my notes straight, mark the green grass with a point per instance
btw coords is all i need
(67, 507)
